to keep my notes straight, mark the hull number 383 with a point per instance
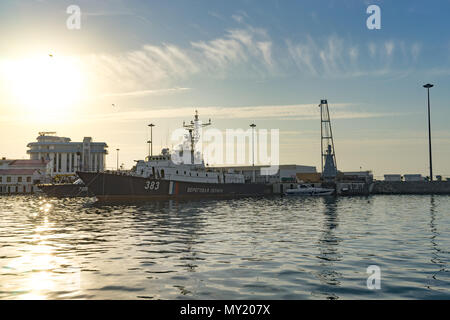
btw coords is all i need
(151, 185)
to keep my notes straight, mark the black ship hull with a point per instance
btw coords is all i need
(65, 190)
(116, 187)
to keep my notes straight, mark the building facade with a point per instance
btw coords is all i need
(285, 172)
(67, 157)
(23, 176)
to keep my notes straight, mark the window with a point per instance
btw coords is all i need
(28, 179)
(1, 178)
(8, 179)
(19, 179)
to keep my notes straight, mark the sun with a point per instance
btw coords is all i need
(46, 86)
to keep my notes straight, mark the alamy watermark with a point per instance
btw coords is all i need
(73, 22)
(374, 280)
(374, 20)
(234, 147)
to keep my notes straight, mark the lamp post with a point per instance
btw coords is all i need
(253, 149)
(117, 159)
(151, 125)
(428, 86)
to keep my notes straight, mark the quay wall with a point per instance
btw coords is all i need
(411, 187)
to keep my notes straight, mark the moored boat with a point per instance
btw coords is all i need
(76, 189)
(308, 190)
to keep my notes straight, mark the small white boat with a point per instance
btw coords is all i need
(307, 190)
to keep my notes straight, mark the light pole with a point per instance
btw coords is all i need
(253, 149)
(151, 125)
(117, 159)
(428, 86)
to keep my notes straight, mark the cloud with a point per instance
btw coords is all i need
(246, 51)
(239, 16)
(250, 46)
(337, 57)
(389, 46)
(415, 50)
(272, 112)
(145, 92)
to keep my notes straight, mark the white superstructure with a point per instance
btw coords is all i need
(162, 167)
(173, 166)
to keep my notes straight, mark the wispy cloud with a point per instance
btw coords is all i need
(145, 92)
(246, 52)
(251, 46)
(239, 16)
(154, 68)
(336, 57)
(272, 112)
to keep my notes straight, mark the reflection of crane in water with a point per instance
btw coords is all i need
(328, 248)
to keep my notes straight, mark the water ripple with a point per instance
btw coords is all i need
(269, 248)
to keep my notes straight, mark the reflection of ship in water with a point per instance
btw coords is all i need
(175, 230)
(176, 175)
(328, 249)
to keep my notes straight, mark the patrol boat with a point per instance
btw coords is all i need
(179, 174)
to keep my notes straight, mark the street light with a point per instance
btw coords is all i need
(253, 149)
(428, 86)
(151, 125)
(117, 159)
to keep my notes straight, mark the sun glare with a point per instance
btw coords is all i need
(46, 86)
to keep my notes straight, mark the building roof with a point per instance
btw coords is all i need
(17, 171)
(28, 163)
(311, 169)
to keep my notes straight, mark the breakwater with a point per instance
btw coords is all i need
(411, 187)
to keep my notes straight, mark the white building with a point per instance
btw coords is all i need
(413, 177)
(285, 172)
(65, 156)
(366, 176)
(392, 177)
(22, 176)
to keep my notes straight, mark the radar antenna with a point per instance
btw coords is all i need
(194, 129)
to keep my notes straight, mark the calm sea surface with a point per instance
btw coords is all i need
(273, 248)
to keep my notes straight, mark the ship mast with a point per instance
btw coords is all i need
(194, 128)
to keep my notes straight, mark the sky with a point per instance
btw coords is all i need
(132, 63)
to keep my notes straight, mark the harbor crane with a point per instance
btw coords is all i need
(328, 156)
